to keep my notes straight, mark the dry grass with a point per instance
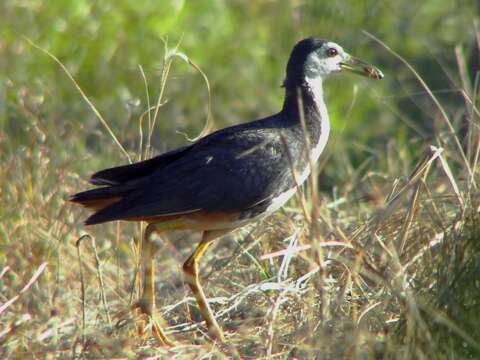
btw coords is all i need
(387, 270)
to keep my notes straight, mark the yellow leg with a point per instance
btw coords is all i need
(190, 269)
(147, 301)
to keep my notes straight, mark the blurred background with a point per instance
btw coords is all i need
(51, 141)
(242, 47)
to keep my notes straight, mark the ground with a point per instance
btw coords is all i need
(376, 258)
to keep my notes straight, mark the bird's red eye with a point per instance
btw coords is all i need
(331, 52)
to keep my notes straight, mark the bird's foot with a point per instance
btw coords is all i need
(149, 319)
(215, 333)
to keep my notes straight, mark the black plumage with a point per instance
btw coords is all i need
(227, 178)
(239, 169)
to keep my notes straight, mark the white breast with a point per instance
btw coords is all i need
(280, 200)
(317, 89)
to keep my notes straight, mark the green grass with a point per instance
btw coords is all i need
(387, 261)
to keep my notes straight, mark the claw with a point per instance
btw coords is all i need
(149, 313)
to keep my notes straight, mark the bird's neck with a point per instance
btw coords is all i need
(305, 100)
(315, 87)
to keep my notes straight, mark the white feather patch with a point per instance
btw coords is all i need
(315, 85)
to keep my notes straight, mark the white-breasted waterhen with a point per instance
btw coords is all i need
(228, 178)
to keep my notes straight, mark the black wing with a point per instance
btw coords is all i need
(228, 171)
(127, 173)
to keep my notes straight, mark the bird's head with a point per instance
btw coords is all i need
(314, 58)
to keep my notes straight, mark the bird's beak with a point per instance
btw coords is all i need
(360, 67)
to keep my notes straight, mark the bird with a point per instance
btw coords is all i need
(228, 178)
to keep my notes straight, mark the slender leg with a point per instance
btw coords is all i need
(190, 269)
(147, 301)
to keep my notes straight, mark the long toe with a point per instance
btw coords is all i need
(215, 332)
(160, 335)
(148, 317)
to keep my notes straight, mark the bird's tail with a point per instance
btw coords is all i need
(100, 198)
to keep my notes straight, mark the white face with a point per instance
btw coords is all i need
(325, 61)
